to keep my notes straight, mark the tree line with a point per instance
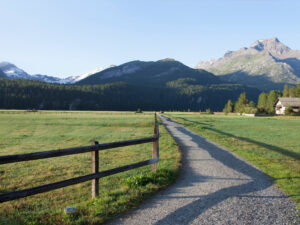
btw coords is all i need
(265, 102)
(177, 96)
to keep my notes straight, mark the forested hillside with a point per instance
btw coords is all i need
(151, 73)
(2, 74)
(181, 94)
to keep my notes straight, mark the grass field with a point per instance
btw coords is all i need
(272, 144)
(24, 132)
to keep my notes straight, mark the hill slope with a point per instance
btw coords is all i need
(182, 94)
(162, 85)
(180, 86)
(266, 64)
(157, 73)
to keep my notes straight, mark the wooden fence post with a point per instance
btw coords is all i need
(95, 169)
(155, 145)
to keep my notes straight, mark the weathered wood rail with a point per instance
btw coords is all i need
(94, 176)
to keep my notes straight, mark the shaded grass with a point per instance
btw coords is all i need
(24, 132)
(271, 144)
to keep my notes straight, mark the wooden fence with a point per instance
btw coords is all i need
(94, 176)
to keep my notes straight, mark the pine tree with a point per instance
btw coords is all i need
(298, 91)
(252, 104)
(292, 92)
(272, 97)
(228, 107)
(286, 91)
(262, 102)
(241, 103)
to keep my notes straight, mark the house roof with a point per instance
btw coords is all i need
(294, 102)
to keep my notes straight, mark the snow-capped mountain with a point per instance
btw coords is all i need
(74, 79)
(13, 72)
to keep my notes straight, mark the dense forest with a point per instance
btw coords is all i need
(178, 95)
(265, 102)
(2, 75)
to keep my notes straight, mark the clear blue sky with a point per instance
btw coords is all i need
(70, 37)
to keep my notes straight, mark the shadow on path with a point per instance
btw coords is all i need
(257, 181)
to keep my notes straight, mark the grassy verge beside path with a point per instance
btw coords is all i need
(24, 132)
(272, 144)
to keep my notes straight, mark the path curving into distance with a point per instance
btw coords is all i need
(214, 187)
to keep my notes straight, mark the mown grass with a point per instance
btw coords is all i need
(24, 132)
(272, 144)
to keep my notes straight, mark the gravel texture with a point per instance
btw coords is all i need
(214, 187)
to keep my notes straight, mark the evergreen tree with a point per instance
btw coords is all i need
(292, 92)
(179, 95)
(252, 104)
(298, 91)
(286, 91)
(262, 102)
(272, 97)
(241, 103)
(228, 107)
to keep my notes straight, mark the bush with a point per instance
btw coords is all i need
(208, 111)
(261, 110)
(139, 180)
(160, 178)
(250, 110)
(290, 112)
(139, 110)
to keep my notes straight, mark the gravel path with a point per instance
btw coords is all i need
(214, 187)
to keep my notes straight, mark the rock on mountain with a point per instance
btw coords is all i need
(13, 72)
(266, 64)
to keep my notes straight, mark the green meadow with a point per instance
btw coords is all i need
(270, 143)
(25, 132)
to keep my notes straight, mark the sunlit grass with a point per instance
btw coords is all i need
(24, 132)
(272, 144)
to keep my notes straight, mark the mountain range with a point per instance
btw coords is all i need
(267, 64)
(9, 70)
(151, 73)
(156, 85)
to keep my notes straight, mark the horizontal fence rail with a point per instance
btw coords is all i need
(72, 151)
(94, 176)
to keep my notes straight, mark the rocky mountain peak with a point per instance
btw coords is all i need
(272, 45)
(266, 64)
(6, 65)
(228, 53)
(12, 71)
